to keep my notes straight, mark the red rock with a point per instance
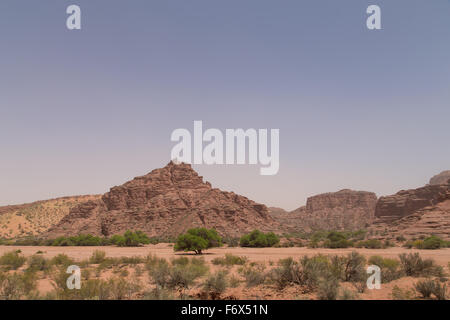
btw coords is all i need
(166, 202)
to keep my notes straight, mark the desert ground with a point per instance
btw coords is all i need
(263, 259)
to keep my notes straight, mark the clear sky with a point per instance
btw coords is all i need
(81, 111)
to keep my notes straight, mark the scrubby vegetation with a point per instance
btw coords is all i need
(319, 276)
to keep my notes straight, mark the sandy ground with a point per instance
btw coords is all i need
(162, 250)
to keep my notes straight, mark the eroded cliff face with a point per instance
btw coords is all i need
(441, 178)
(166, 202)
(342, 210)
(406, 202)
(413, 213)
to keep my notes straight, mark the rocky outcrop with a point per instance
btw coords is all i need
(430, 220)
(406, 202)
(413, 213)
(342, 210)
(441, 178)
(166, 202)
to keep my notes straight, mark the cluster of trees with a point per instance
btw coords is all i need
(199, 239)
(258, 239)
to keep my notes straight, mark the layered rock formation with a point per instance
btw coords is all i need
(166, 202)
(413, 213)
(342, 210)
(406, 202)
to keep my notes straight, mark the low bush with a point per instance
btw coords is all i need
(62, 260)
(328, 288)
(216, 284)
(17, 285)
(38, 263)
(413, 265)
(390, 268)
(253, 276)
(97, 257)
(429, 287)
(370, 244)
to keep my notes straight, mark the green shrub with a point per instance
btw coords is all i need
(370, 244)
(12, 260)
(433, 242)
(197, 240)
(390, 268)
(258, 239)
(130, 239)
(336, 239)
(413, 265)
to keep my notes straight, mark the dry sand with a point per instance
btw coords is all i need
(162, 250)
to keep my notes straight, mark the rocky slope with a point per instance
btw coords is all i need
(342, 210)
(166, 202)
(32, 219)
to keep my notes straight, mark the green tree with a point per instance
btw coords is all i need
(259, 239)
(198, 239)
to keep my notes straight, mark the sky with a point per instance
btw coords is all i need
(84, 110)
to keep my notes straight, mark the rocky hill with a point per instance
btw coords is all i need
(166, 202)
(342, 210)
(32, 219)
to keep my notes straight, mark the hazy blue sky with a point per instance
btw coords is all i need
(81, 111)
